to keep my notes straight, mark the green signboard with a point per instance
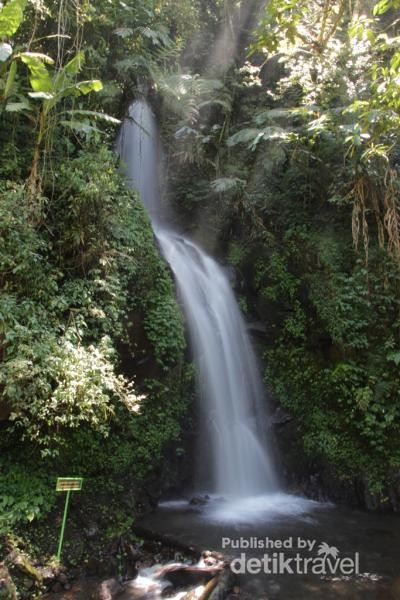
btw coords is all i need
(66, 484)
(69, 483)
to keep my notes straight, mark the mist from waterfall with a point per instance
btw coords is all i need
(233, 424)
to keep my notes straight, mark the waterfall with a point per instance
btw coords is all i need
(229, 383)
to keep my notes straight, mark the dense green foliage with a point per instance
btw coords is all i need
(339, 331)
(85, 298)
(73, 294)
(280, 125)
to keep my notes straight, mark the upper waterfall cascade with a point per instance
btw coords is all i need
(229, 382)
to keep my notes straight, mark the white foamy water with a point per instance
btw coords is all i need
(148, 585)
(248, 509)
(261, 509)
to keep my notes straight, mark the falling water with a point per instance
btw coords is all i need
(229, 382)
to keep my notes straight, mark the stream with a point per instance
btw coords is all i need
(292, 521)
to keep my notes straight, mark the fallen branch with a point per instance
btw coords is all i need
(163, 572)
(209, 588)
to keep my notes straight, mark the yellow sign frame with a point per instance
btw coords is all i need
(65, 484)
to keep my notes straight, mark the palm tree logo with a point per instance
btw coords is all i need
(325, 550)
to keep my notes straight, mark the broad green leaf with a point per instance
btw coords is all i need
(11, 16)
(10, 79)
(36, 55)
(395, 62)
(381, 7)
(384, 5)
(39, 76)
(92, 85)
(74, 66)
(61, 82)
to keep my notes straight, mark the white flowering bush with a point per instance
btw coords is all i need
(70, 386)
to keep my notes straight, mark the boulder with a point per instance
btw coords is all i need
(108, 590)
(199, 500)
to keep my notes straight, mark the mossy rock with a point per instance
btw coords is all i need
(24, 566)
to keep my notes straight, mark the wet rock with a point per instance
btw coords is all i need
(199, 500)
(108, 590)
(167, 591)
(210, 561)
(280, 417)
